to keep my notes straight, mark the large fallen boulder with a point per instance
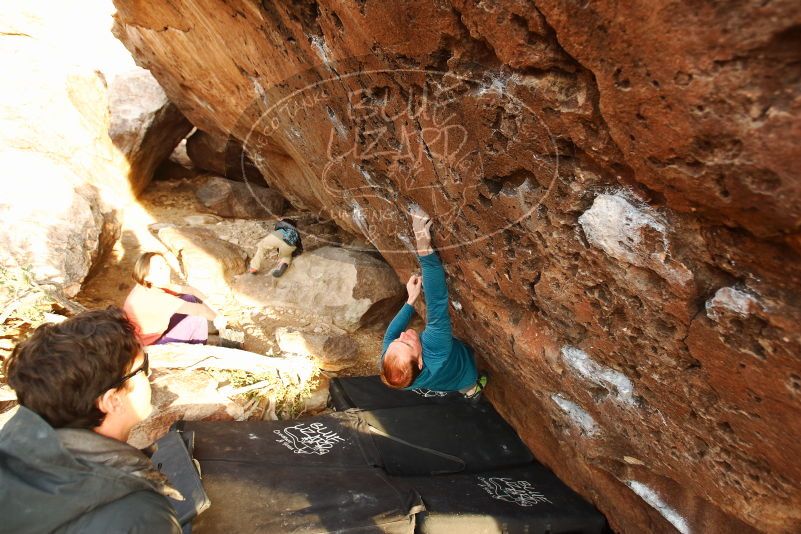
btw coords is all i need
(145, 126)
(343, 287)
(227, 198)
(54, 225)
(330, 351)
(208, 262)
(222, 155)
(184, 395)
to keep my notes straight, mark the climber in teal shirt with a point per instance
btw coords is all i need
(433, 360)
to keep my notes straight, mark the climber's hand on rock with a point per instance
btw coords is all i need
(414, 286)
(421, 224)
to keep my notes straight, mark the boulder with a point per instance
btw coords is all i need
(190, 395)
(208, 262)
(331, 352)
(317, 401)
(145, 126)
(343, 287)
(63, 180)
(222, 155)
(184, 356)
(177, 166)
(180, 156)
(54, 225)
(227, 198)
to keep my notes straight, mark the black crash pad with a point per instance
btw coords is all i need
(307, 475)
(369, 393)
(334, 440)
(271, 499)
(437, 439)
(528, 499)
(173, 458)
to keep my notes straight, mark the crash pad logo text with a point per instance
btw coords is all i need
(518, 492)
(312, 438)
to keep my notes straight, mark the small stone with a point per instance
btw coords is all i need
(198, 220)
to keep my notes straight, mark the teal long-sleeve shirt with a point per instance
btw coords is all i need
(448, 363)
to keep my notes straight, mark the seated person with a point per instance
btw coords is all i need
(433, 360)
(65, 465)
(164, 312)
(286, 239)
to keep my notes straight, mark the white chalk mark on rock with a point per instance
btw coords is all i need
(729, 299)
(338, 126)
(318, 43)
(357, 214)
(605, 377)
(259, 90)
(633, 235)
(576, 413)
(655, 501)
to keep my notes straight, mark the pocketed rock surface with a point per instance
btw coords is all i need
(616, 200)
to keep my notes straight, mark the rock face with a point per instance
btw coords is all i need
(54, 225)
(145, 126)
(616, 199)
(184, 395)
(227, 198)
(63, 180)
(344, 287)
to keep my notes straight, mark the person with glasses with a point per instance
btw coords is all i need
(434, 359)
(65, 465)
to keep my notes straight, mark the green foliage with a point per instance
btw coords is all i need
(22, 297)
(288, 391)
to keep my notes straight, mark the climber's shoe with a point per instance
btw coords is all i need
(280, 270)
(474, 396)
(251, 270)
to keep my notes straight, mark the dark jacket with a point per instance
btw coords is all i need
(71, 481)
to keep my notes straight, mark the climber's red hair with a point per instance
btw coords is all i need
(398, 372)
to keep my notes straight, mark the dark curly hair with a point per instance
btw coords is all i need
(61, 370)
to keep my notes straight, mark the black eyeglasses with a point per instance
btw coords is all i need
(144, 368)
